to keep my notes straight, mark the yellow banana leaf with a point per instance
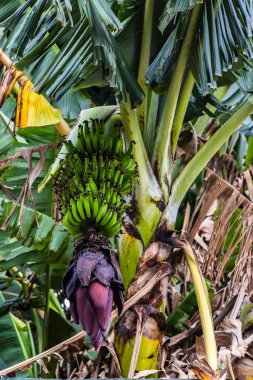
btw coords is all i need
(33, 110)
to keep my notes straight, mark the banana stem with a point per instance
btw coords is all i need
(161, 155)
(147, 190)
(204, 307)
(182, 105)
(145, 42)
(145, 57)
(200, 160)
(62, 126)
(46, 313)
(38, 329)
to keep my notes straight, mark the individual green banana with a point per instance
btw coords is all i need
(83, 129)
(86, 206)
(78, 182)
(128, 164)
(70, 147)
(118, 149)
(112, 220)
(71, 219)
(86, 165)
(129, 152)
(78, 164)
(106, 218)
(116, 176)
(91, 203)
(126, 187)
(73, 230)
(111, 194)
(108, 193)
(120, 179)
(101, 167)
(113, 230)
(80, 209)
(94, 142)
(93, 186)
(95, 208)
(74, 211)
(88, 144)
(116, 198)
(102, 188)
(80, 143)
(102, 142)
(102, 174)
(101, 212)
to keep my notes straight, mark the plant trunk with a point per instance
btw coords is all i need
(140, 331)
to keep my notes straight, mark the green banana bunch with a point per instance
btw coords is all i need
(94, 177)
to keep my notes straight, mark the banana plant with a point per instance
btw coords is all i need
(146, 89)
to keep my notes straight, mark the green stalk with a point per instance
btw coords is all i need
(38, 329)
(145, 57)
(46, 315)
(152, 103)
(33, 351)
(161, 157)
(182, 105)
(205, 311)
(199, 161)
(202, 121)
(130, 250)
(147, 190)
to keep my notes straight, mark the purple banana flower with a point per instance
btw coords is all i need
(91, 283)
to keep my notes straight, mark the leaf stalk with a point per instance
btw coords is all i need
(147, 190)
(204, 307)
(145, 57)
(182, 105)
(161, 157)
(200, 160)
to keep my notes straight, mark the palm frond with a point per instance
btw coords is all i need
(107, 51)
(172, 8)
(222, 42)
(81, 46)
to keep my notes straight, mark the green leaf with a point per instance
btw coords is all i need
(222, 44)
(107, 50)
(10, 10)
(249, 154)
(172, 8)
(223, 40)
(59, 328)
(53, 241)
(246, 316)
(16, 339)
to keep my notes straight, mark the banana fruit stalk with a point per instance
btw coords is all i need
(95, 175)
(148, 202)
(130, 249)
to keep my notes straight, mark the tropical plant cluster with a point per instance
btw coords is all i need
(126, 179)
